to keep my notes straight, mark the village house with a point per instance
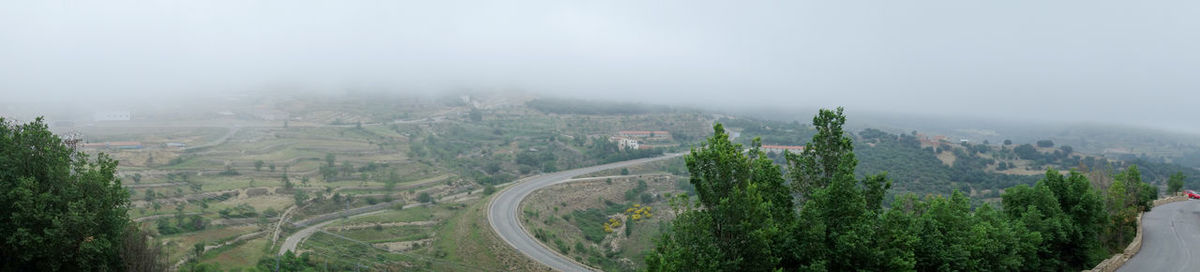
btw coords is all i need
(795, 149)
(656, 135)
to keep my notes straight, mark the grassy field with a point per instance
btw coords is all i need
(388, 234)
(406, 215)
(179, 246)
(435, 150)
(239, 256)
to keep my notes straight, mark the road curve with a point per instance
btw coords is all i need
(504, 213)
(292, 241)
(312, 225)
(1170, 239)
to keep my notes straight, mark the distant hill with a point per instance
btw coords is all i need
(922, 165)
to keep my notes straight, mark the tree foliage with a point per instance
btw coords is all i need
(746, 216)
(1175, 182)
(63, 209)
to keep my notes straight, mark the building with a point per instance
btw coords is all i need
(625, 143)
(781, 148)
(645, 134)
(111, 116)
(935, 141)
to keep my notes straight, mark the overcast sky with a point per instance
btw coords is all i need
(1108, 61)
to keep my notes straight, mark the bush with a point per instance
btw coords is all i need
(181, 225)
(685, 186)
(633, 193)
(562, 246)
(240, 211)
(629, 228)
(270, 212)
(1045, 143)
(488, 190)
(591, 223)
(424, 197)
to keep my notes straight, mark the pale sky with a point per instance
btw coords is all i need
(1097, 61)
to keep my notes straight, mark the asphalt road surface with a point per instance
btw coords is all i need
(1170, 239)
(504, 213)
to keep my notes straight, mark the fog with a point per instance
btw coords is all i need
(1085, 61)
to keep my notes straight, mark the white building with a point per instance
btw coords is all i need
(625, 143)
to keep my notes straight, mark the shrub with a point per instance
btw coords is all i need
(591, 223)
(424, 197)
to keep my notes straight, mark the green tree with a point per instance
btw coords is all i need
(258, 165)
(1045, 143)
(390, 183)
(1067, 213)
(287, 182)
(1139, 193)
(1175, 183)
(196, 186)
(328, 173)
(476, 115)
(271, 167)
(1126, 197)
(424, 197)
(347, 168)
(300, 197)
(63, 209)
(828, 155)
(1122, 223)
(198, 250)
(743, 216)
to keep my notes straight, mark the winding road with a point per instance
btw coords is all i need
(1170, 239)
(504, 213)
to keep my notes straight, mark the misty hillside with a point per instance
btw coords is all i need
(311, 135)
